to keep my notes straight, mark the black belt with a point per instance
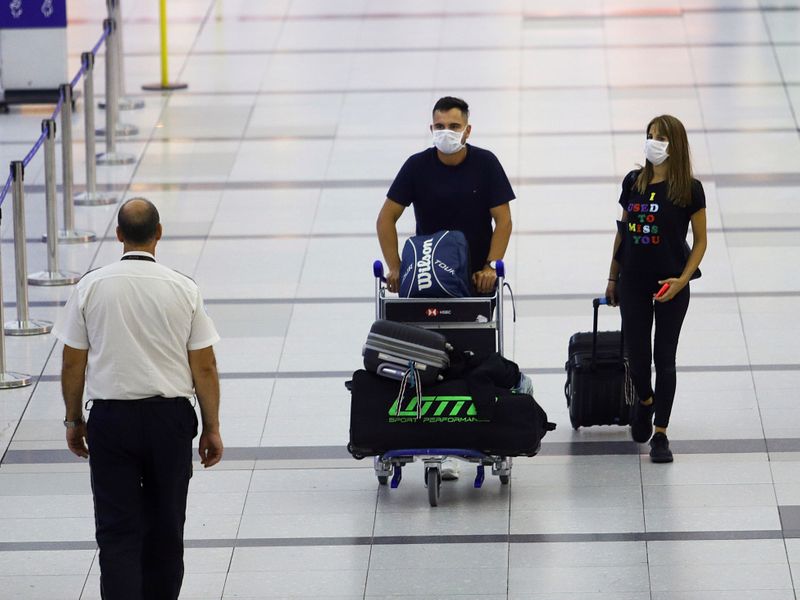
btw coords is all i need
(148, 399)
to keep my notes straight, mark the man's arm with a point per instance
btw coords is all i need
(73, 378)
(387, 237)
(203, 365)
(484, 279)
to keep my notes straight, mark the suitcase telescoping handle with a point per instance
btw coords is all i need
(596, 302)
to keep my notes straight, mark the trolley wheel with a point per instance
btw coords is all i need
(504, 479)
(383, 479)
(433, 480)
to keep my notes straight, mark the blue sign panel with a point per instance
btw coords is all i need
(33, 14)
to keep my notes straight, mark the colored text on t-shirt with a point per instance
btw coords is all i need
(641, 222)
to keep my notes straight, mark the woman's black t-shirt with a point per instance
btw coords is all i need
(654, 236)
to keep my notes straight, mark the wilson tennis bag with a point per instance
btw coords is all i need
(435, 266)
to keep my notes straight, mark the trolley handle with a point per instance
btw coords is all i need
(377, 270)
(500, 269)
(380, 279)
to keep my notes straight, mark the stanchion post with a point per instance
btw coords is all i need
(52, 276)
(68, 235)
(23, 325)
(124, 102)
(8, 379)
(164, 84)
(111, 156)
(90, 197)
(113, 45)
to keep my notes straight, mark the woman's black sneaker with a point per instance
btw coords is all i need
(659, 449)
(641, 422)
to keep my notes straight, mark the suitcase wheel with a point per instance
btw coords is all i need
(504, 479)
(383, 479)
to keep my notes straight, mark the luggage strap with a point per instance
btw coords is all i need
(411, 376)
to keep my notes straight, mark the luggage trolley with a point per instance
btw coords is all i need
(470, 323)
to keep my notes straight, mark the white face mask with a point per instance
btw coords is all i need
(447, 141)
(655, 151)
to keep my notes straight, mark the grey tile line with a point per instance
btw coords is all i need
(467, 89)
(720, 179)
(523, 297)
(529, 370)
(485, 135)
(401, 540)
(462, 49)
(523, 14)
(370, 234)
(9, 304)
(339, 452)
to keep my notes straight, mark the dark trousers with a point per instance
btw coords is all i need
(638, 311)
(141, 463)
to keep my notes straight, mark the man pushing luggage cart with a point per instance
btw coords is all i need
(456, 187)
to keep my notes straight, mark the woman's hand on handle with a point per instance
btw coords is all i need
(611, 293)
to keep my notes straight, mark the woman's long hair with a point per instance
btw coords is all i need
(679, 174)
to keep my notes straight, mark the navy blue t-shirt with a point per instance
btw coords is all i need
(454, 197)
(654, 238)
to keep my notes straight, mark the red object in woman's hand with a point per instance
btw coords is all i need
(662, 291)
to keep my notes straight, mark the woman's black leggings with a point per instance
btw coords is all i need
(638, 309)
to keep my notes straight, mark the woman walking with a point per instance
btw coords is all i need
(651, 269)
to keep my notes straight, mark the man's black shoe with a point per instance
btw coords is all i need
(641, 422)
(659, 449)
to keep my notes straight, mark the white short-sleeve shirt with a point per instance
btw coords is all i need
(138, 320)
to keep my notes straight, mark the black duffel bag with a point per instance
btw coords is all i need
(513, 425)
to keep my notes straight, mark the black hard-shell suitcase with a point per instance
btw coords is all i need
(513, 425)
(598, 388)
(393, 348)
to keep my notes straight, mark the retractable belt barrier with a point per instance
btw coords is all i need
(15, 183)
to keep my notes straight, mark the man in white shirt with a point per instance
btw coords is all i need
(137, 335)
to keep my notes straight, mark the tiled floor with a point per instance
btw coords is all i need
(269, 172)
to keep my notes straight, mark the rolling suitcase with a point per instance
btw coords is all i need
(393, 349)
(598, 388)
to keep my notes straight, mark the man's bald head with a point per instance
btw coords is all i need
(138, 221)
